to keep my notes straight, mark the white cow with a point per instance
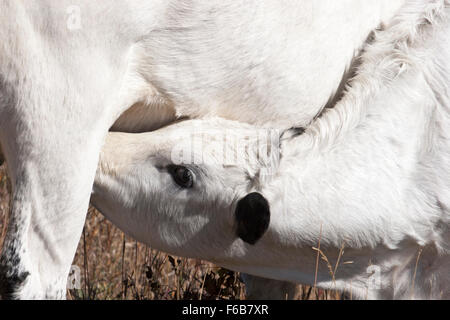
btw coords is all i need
(367, 184)
(67, 72)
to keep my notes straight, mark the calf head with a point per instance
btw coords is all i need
(181, 186)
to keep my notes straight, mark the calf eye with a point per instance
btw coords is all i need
(182, 176)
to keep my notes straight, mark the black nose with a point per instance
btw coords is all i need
(252, 217)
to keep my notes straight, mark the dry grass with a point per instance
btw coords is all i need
(114, 266)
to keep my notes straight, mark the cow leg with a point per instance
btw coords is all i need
(54, 116)
(52, 178)
(52, 144)
(257, 288)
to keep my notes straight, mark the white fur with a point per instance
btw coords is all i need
(62, 87)
(368, 180)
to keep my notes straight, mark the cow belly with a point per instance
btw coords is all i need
(143, 117)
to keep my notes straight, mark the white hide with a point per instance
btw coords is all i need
(368, 182)
(69, 69)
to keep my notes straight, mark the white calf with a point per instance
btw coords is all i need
(68, 72)
(367, 184)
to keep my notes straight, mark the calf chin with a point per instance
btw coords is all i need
(252, 217)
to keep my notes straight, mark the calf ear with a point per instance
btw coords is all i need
(252, 217)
